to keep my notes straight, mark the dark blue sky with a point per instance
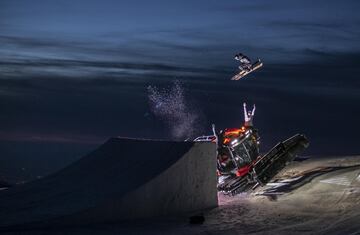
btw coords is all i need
(75, 72)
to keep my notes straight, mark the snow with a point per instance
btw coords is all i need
(337, 180)
(312, 208)
(307, 199)
(123, 178)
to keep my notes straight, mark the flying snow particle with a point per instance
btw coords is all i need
(169, 104)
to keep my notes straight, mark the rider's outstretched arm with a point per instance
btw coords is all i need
(216, 136)
(213, 130)
(253, 111)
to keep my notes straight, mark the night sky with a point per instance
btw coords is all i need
(74, 73)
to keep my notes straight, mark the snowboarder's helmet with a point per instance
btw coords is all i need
(249, 113)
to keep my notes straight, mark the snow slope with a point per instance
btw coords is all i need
(122, 179)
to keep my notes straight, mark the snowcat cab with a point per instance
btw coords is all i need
(242, 148)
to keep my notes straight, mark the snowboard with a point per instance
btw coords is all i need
(258, 64)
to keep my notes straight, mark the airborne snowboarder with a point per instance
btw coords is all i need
(245, 66)
(245, 63)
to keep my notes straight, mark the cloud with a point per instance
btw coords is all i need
(32, 42)
(88, 69)
(304, 96)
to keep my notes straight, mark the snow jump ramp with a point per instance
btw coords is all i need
(122, 179)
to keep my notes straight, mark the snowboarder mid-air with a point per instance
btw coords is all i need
(246, 66)
(249, 115)
(245, 63)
